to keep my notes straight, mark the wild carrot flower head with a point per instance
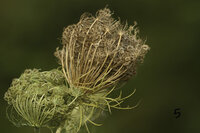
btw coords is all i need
(36, 98)
(98, 52)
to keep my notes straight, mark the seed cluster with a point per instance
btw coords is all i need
(98, 54)
(38, 97)
(99, 51)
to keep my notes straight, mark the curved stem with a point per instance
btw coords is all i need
(59, 130)
(36, 130)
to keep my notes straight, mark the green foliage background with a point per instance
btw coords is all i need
(30, 31)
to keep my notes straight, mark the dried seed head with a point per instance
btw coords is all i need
(99, 51)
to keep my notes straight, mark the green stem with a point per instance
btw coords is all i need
(36, 130)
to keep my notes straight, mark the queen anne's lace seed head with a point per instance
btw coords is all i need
(36, 98)
(98, 52)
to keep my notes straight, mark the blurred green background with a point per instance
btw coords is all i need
(30, 31)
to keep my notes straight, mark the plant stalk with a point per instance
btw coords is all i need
(36, 130)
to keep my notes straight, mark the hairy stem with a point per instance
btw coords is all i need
(59, 130)
(36, 130)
